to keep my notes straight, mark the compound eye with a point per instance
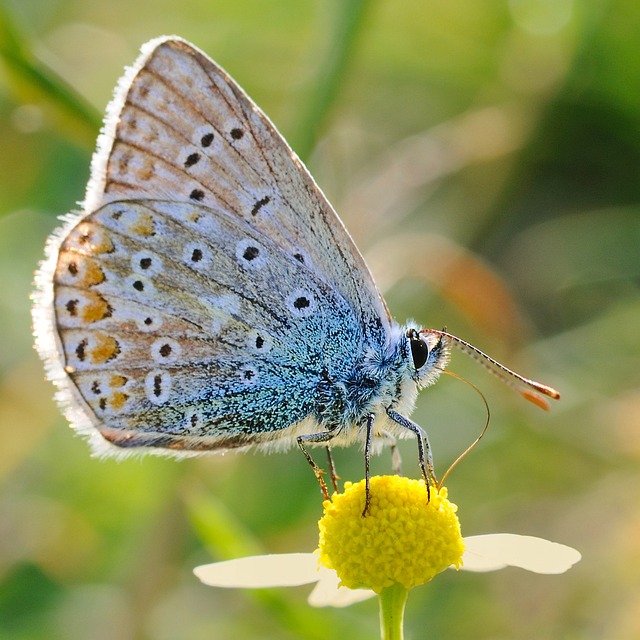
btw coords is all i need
(419, 351)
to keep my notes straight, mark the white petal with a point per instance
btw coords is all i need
(327, 593)
(253, 572)
(499, 550)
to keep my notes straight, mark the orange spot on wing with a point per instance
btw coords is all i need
(92, 273)
(102, 244)
(77, 269)
(106, 348)
(118, 400)
(143, 225)
(117, 381)
(95, 308)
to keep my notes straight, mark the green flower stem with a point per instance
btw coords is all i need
(392, 602)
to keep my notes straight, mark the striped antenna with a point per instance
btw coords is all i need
(530, 390)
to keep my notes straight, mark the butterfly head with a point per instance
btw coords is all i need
(429, 355)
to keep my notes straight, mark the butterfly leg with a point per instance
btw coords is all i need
(316, 438)
(332, 470)
(396, 460)
(367, 461)
(425, 460)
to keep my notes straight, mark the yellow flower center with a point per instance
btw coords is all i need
(402, 540)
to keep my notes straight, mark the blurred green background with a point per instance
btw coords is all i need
(486, 157)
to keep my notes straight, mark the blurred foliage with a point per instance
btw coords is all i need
(485, 156)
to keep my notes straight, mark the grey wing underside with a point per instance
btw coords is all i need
(186, 131)
(177, 341)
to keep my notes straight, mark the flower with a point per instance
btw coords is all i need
(403, 541)
(406, 538)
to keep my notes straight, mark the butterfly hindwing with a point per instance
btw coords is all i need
(173, 334)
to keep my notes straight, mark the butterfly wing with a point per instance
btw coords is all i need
(181, 129)
(174, 333)
(208, 287)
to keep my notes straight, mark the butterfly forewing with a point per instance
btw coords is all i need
(187, 132)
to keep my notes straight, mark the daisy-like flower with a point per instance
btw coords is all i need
(404, 541)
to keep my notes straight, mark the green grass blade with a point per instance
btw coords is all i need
(349, 21)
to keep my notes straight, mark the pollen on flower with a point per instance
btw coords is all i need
(403, 539)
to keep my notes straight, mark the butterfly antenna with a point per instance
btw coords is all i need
(530, 390)
(454, 464)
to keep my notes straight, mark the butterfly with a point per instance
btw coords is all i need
(208, 297)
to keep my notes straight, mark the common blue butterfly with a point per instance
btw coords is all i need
(208, 297)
